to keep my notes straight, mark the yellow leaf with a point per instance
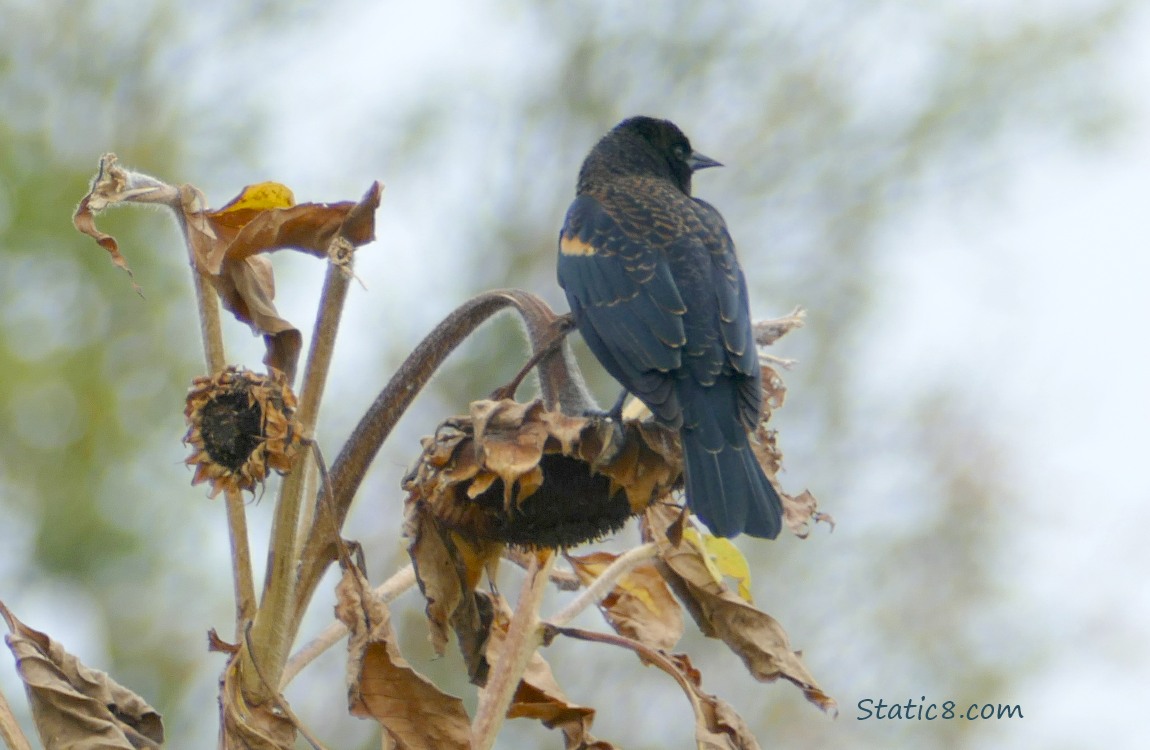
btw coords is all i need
(261, 196)
(723, 559)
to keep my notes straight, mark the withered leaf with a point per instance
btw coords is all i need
(85, 221)
(447, 568)
(755, 636)
(382, 685)
(227, 243)
(248, 226)
(717, 725)
(723, 559)
(799, 510)
(74, 706)
(538, 695)
(511, 437)
(250, 727)
(640, 606)
(112, 186)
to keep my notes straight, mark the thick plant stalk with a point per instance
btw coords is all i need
(524, 637)
(245, 590)
(277, 619)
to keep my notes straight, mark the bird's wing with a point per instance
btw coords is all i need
(624, 299)
(730, 288)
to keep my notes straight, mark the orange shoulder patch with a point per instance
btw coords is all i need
(575, 246)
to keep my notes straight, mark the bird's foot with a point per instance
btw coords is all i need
(615, 413)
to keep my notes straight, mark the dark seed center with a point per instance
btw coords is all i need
(231, 428)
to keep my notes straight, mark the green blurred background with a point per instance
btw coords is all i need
(869, 147)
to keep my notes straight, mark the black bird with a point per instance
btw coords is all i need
(657, 292)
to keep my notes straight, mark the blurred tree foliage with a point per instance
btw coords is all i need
(836, 121)
(90, 370)
(94, 500)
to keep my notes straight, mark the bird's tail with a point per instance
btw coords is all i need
(726, 487)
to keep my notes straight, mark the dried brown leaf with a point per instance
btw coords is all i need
(800, 510)
(640, 606)
(755, 636)
(414, 713)
(722, 728)
(85, 221)
(74, 706)
(448, 568)
(247, 288)
(227, 246)
(538, 695)
(112, 186)
(247, 727)
(511, 437)
(717, 725)
(308, 227)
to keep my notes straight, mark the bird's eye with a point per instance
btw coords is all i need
(680, 153)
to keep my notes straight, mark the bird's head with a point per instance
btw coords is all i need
(671, 149)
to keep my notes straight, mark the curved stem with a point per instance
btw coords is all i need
(560, 328)
(651, 655)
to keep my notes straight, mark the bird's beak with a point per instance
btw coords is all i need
(697, 161)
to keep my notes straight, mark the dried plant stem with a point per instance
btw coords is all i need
(207, 302)
(245, 590)
(13, 736)
(524, 637)
(604, 583)
(210, 327)
(277, 618)
(651, 655)
(387, 591)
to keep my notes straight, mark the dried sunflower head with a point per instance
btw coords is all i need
(520, 474)
(240, 425)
